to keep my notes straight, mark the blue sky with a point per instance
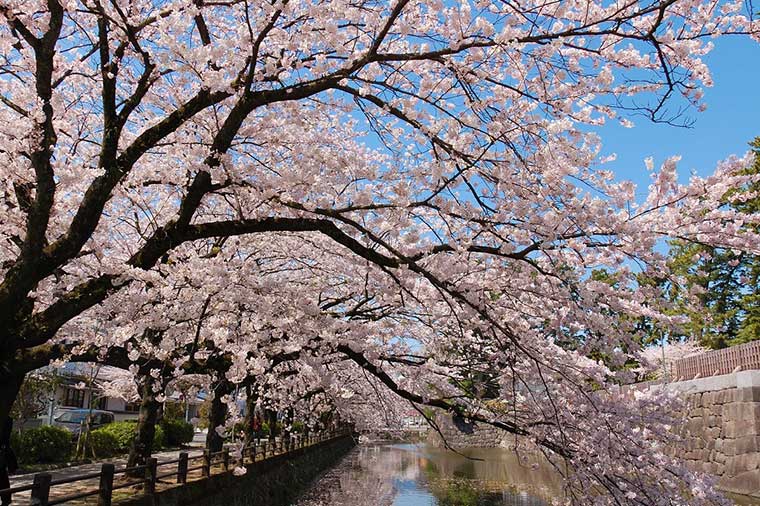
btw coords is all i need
(731, 120)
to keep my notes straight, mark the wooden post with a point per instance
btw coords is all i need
(105, 490)
(182, 468)
(226, 459)
(253, 451)
(41, 489)
(206, 469)
(151, 473)
(264, 449)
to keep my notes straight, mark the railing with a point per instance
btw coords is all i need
(712, 363)
(43, 483)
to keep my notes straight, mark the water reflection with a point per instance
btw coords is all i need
(410, 475)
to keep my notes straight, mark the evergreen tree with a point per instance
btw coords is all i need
(727, 282)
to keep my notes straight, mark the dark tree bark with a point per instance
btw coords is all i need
(271, 417)
(217, 415)
(10, 384)
(142, 445)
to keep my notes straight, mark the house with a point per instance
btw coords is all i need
(87, 385)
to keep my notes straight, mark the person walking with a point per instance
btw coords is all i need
(8, 463)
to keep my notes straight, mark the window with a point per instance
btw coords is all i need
(73, 397)
(71, 417)
(101, 403)
(132, 407)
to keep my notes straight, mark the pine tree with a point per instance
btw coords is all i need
(727, 282)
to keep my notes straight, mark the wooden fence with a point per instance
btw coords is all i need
(204, 462)
(712, 363)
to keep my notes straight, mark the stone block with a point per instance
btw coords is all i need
(711, 421)
(695, 425)
(730, 411)
(742, 463)
(747, 444)
(724, 396)
(747, 483)
(728, 447)
(748, 394)
(745, 427)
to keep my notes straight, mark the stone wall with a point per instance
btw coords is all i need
(721, 429)
(461, 434)
(276, 481)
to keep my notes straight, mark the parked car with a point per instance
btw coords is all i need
(71, 419)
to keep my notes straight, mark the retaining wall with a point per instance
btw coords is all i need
(461, 434)
(721, 429)
(276, 481)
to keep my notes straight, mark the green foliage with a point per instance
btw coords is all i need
(124, 432)
(174, 410)
(103, 444)
(177, 432)
(43, 445)
(265, 429)
(203, 412)
(32, 398)
(727, 282)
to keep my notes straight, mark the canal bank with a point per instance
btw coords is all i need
(276, 481)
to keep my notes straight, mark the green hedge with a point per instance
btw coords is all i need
(177, 432)
(103, 444)
(42, 445)
(122, 433)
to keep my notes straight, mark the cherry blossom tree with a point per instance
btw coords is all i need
(406, 192)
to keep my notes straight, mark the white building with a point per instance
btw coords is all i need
(86, 385)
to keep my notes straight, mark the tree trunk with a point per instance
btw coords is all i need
(251, 399)
(271, 417)
(217, 415)
(142, 446)
(10, 384)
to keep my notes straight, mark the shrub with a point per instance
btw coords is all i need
(177, 432)
(43, 445)
(103, 443)
(124, 432)
(265, 428)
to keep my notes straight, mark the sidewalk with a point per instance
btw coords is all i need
(23, 498)
(194, 449)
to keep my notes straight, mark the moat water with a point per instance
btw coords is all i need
(419, 475)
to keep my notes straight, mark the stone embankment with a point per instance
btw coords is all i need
(459, 433)
(721, 429)
(276, 481)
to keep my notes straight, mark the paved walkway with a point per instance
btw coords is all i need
(63, 490)
(23, 498)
